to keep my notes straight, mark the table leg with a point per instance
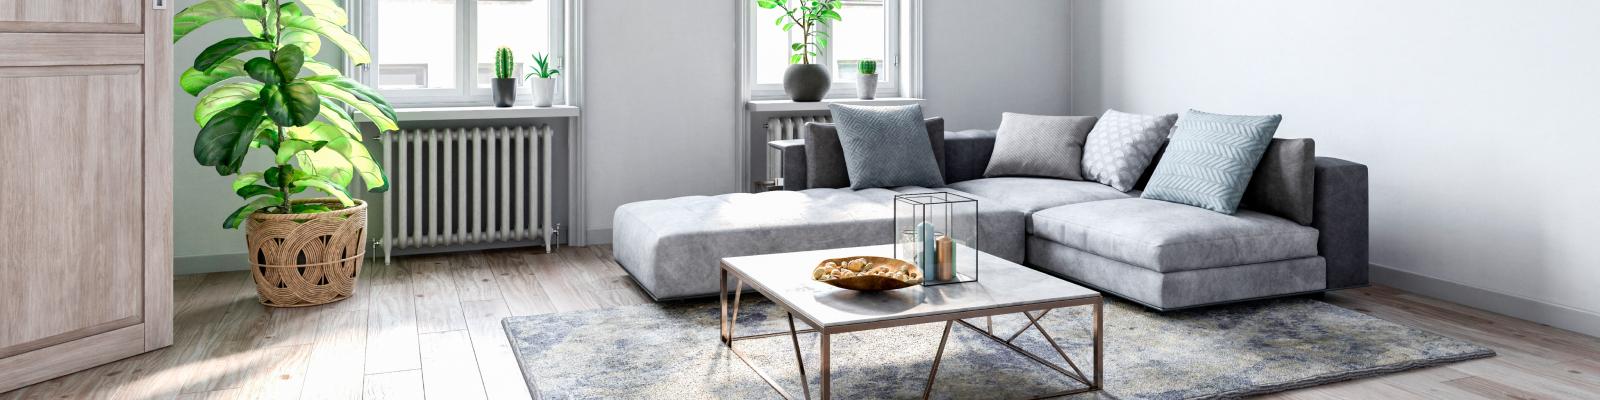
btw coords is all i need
(827, 377)
(1099, 343)
(805, 385)
(937, 356)
(722, 295)
(733, 319)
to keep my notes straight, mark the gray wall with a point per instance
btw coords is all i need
(1475, 117)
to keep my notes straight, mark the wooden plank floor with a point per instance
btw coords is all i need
(429, 327)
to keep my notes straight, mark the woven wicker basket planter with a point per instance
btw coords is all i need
(300, 260)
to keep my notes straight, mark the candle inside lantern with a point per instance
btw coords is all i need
(947, 258)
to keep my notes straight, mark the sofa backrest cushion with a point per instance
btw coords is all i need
(1284, 183)
(1040, 146)
(825, 166)
(1210, 159)
(1120, 147)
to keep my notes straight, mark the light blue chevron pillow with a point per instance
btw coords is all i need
(1210, 158)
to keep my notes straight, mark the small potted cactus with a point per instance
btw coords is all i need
(505, 85)
(543, 80)
(867, 81)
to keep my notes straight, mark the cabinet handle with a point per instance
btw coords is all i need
(160, 4)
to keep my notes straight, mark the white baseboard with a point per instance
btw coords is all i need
(1511, 305)
(207, 264)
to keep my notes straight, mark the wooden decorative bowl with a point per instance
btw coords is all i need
(872, 283)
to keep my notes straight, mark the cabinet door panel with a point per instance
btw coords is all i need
(118, 16)
(72, 232)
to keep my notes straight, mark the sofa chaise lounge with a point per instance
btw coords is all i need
(1163, 255)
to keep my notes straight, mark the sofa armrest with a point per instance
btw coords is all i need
(1339, 212)
(966, 154)
(793, 162)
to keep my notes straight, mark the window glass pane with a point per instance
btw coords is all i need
(416, 44)
(522, 25)
(771, 46)
(859, 36)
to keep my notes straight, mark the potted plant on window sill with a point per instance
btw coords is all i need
(804, 81)
(265, 91)
(867, 80)
(505, 85)
(543, 80)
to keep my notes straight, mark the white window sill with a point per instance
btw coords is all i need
(480, 112)
(788, 105)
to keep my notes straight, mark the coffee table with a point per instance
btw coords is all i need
(1004, 288)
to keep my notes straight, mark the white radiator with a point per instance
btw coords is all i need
(460, 187)
(785, 128)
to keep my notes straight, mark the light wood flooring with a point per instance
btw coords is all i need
(429, 327)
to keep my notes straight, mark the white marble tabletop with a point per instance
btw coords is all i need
(786, 279)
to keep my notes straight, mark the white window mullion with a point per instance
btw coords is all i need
(466, 47)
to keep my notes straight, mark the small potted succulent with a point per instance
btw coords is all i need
(505, 85)
(805, 81)
(543, 80)
(867, 81)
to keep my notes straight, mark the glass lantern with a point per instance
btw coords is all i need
(938, 232)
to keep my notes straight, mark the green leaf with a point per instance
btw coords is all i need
(246, 179)
(310, 42)
(223, 141)
(309, 208)
(318, 68)
(327, 164)
(336, 116)
(794, 59)
(352, 47)
(239, 215)
(822, 41)
(767, 4)
(328, 187)
(226, 49)
(224, 97)
(263, 70)
(288, 60)
(194, 81)
(327, 10)
(209, 11)
(378, 116)
(832, 15)
(288, 149)
(249, 191)
(797, 46)
(351, 151)
(360, 91)
(303, 103)
(277, 107)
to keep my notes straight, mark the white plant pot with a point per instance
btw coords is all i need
(866, 86)
(544, 91)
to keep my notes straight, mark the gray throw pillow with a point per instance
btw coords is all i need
(1210, 159)
(1284, 182)
(886, 146)
(1039, 145)
(1121, 145)
(825, 157)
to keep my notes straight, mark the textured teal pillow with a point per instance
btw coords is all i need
(886, 146)
(1210, 158)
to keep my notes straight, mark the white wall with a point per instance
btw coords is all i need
(982, 58)
(1476, 118)
(660, 99)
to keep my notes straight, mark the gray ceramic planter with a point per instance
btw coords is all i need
(806, 82)
(505, 92)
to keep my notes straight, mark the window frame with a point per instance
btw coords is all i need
(466, 92)
(889, 69)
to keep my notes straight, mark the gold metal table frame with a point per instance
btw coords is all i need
(1033, 312)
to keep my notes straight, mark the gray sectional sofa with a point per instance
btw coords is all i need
(1163, 255)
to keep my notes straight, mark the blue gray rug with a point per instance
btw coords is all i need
(671, 351)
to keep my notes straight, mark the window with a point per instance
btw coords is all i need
(441, 52)
(868, 30)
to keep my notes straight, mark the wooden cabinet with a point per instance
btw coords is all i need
(85, 185)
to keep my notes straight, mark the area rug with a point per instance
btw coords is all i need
(671, 351)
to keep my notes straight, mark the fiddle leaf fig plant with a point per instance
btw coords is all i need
(808, 15)
(265, 91)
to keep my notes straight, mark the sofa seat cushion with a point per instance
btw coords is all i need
(673, 247)
(1033, 194)
(1168, 237)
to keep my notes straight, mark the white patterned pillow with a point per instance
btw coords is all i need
(1121, 145)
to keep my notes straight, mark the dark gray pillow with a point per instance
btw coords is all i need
(886, 146)
(825, 157)
(1039, 145)
(1284, 183)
